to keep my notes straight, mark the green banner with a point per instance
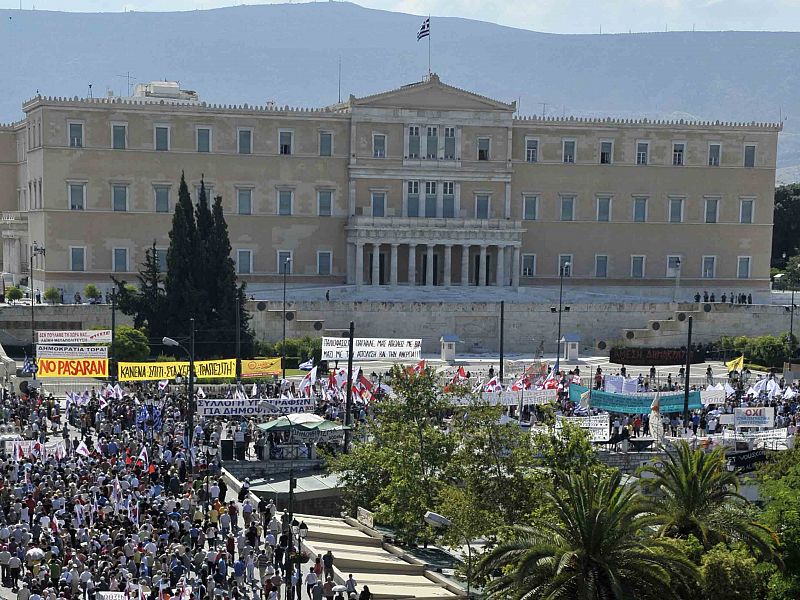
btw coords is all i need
(634, 404)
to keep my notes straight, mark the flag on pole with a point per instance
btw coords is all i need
(737, 364)
(425, 29)
(143, 457)
(254, 391)
(82, 449)
(308, 382)
(162, 385)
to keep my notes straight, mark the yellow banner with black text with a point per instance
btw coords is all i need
(203, 369)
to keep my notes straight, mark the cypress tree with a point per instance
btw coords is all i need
(151, 298)
(204, 274)
(180, 283)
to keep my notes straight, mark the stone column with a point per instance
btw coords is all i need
(501, 263)
(464, 265)
(515, 273)
(359, 264)
(507, 198)
(448, 264)
(351, 267)
(482, 269)
(412, 264)
(429, 267)
(376, 264)
(393, 266)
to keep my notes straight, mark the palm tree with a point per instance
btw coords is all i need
(696, 495)
(597, 544)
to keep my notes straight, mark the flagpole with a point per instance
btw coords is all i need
(429, 46)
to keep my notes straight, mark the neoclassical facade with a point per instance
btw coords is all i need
(424, 185)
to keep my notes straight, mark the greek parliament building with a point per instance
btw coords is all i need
(424, 185)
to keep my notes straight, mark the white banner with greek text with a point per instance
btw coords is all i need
(371, 349)
(59, 351)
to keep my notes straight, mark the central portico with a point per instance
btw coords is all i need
(433, 252)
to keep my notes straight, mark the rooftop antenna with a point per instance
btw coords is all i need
(128, 77)
(340, 78)
(544, 109)
(90, 91)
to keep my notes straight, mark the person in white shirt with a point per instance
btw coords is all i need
(311, 580)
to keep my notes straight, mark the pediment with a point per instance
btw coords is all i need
(432, 94)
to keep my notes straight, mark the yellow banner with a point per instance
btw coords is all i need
(203, 369)
(261, 367)
(72, 367)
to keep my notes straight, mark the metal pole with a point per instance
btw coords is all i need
(791, 331)
(111, 370)
(239, 337)
(469, 567)
(191, 383)
(288, 574)
(33, 327)
(348, 416)
(283, 343)
(560, 296)
(502, 327)
(686, 382)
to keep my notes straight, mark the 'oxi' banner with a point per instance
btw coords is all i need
(72, 367)
(203, 369)
(100, 336)
(261, 367)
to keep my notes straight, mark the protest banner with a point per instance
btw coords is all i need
(754, 416)
(100, 336)
(287, 406)
(597, 426)
(371, 349)
(72, 367)
(203, 369)
(57, 351)
(634, 403)
(261, 367)
(50, 448)
(655, 356)
(247, 407)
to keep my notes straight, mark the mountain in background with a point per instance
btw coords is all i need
(289, 54)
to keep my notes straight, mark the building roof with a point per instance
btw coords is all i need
(450, 337)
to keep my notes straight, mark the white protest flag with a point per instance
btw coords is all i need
(82, 449)
(308, 382)
(162, 385)
(200, 393)
(118, 393)
(143, 457)
(109, 391)
(254, 391)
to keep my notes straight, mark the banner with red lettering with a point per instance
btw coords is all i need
(72, 367)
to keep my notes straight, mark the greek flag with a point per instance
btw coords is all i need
(425, 29)
(29, 366)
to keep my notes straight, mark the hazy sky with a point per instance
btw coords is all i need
(561, 16)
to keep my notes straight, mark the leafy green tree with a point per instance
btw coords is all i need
(130, 344)
(570, 450)
(52, 295)
(596, 544)
(793, 273)
(13, 294)
(396, 465)
(146, 303)
(786, 228)
(734, 574)
(92, 292)
(696, 495)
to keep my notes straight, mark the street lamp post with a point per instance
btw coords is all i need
(167, 341)
(300, 532)
(564, 268)
(441, 522)
(677, 278)
(36, 250)
(285, 269)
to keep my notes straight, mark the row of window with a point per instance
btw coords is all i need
(638, 266)
(569, 148)
(244, 263)
(203, 139)
(244, 260)
(162, 201)
(639, 209)
(426, 204)
(430, 146)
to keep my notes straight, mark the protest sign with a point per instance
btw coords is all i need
(99, 336)
(72, 367)
(754, 416)
(261, 367)
(598, 426)
(371, 349)
(634, 403)
(59, 351)
(203, 369)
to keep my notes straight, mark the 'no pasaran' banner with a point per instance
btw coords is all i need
(203, 369)
(72, 367)
(261, 367)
